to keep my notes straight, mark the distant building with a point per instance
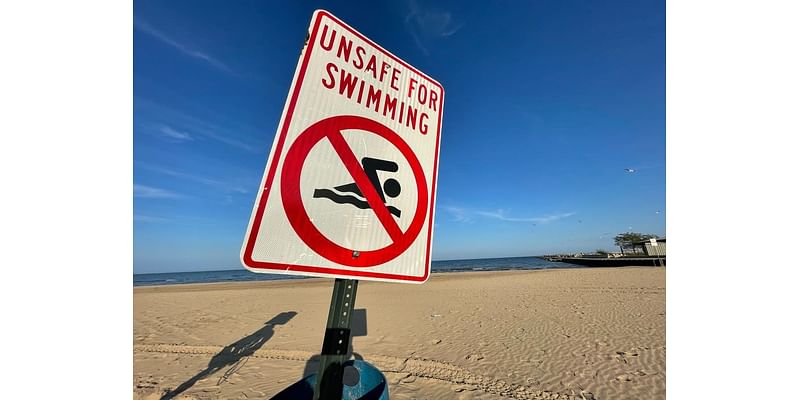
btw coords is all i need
(657, 247)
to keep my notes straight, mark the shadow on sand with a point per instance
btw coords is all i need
(366, 374)
(235, 355)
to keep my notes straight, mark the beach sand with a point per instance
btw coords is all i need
(562, 333)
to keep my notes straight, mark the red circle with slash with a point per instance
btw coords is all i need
(331, 128)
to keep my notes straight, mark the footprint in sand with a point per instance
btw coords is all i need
(622, 355)
(623, 378)
(395, 377)
(462, 388)
(380, 339)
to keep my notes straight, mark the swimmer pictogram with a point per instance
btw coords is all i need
(391, 187)
(364, 173)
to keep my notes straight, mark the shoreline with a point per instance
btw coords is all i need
(291, 278)
(309, 280)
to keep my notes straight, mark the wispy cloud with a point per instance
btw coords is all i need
(218, 183)
(502, 215)
(452, 30)
(553, 217)
(215, 134)
(181, 124)
(175, 135)
(183, 48)
(460, 214)
(149, 192)
(425, 24)
(178, 174)
(148, 218)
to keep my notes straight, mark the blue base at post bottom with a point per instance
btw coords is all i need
(370, 385)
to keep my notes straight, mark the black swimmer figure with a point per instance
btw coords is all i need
(391, 187)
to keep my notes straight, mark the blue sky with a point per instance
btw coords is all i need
(547, 103)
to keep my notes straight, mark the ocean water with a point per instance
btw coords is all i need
(241, 275)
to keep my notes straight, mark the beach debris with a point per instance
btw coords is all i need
(436, 315)
(622, 355)
(435, 341)
(474, 357)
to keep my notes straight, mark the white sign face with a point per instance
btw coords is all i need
(350, 183)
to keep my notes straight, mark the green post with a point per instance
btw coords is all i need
(336, 341)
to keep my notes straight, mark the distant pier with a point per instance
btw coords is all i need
(610, 261)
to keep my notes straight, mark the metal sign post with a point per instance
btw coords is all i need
(349, 189)
(337, 339)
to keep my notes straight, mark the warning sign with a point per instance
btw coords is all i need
(350, 183)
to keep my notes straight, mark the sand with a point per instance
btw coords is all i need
(566, 333)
